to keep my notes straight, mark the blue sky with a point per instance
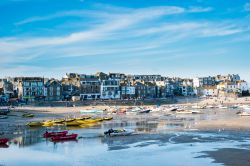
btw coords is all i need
(169, 37)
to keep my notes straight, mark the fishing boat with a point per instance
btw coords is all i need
(35, 124)
(54, 134)
(118, 132)
(64, 138)
(4, 141)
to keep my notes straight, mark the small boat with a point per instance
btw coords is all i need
(222, 107)
(54, 134)
(196, 112)
(87, 121)
(4, 141)
(91, 111)
(3, 117)
(4, 110)
(84, 118)
(64, 138)
(58, 121)
(118, 132)
(72, 123)
(28, 115)
(144, 111)
(48, 123)
(35, 124)
(244, 113)
(184, 111)
(107, 118)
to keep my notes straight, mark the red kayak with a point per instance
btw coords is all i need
(3, 140)
(63, 138)
(55, 134)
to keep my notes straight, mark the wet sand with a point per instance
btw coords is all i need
(230, 156)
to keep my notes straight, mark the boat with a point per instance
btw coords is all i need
(54, 134)
(87, 121)
(84, 118)
(91, 111)
(64, 138)
(35, 124)
(144, 111)
(196, 112)
(3, 117)
(107, 118)
(4, 110)
(222, 107)
(28, 115)
(4, 141)
(184, 111)
(118, 132)
(58, 121)
(72, 123)
(48, 123)
(199, 107)
(244, 113)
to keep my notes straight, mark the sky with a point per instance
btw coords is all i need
(184, 38)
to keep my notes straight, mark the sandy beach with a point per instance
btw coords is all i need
(209, 119)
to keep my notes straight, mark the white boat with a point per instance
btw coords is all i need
(90, 111)
(184, 112)
(196, 112)
(244, 113)
(222, 107)
(199, 107)
(118, 132)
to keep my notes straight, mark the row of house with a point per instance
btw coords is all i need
(75, 86)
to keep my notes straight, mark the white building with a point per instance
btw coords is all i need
(110, 89)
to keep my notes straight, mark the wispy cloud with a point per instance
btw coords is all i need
(127, 32)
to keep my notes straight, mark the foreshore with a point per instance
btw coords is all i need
(210, 119)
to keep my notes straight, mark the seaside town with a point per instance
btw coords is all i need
(118, 86)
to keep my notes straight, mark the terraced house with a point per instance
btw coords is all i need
(30, 88)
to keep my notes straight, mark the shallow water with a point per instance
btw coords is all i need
(156, 142)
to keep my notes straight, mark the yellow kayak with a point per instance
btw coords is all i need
(70, 120)
(87, 125)
(87, 121)
(83, 118)
(58, 121)
(48, 123)
(72, 123)
(34, 124)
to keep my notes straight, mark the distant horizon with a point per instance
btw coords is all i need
(188, 39)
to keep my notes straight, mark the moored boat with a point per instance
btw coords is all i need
(64, 138)
(54, 134)
(28, 115)
(4, 141)
(72, 123)
(118, 132)
(144, 111)
(34, 124)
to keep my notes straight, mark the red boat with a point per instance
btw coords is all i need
(3, 140)
(55, 134)
(63, 138)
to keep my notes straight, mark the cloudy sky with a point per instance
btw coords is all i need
(184, 38)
